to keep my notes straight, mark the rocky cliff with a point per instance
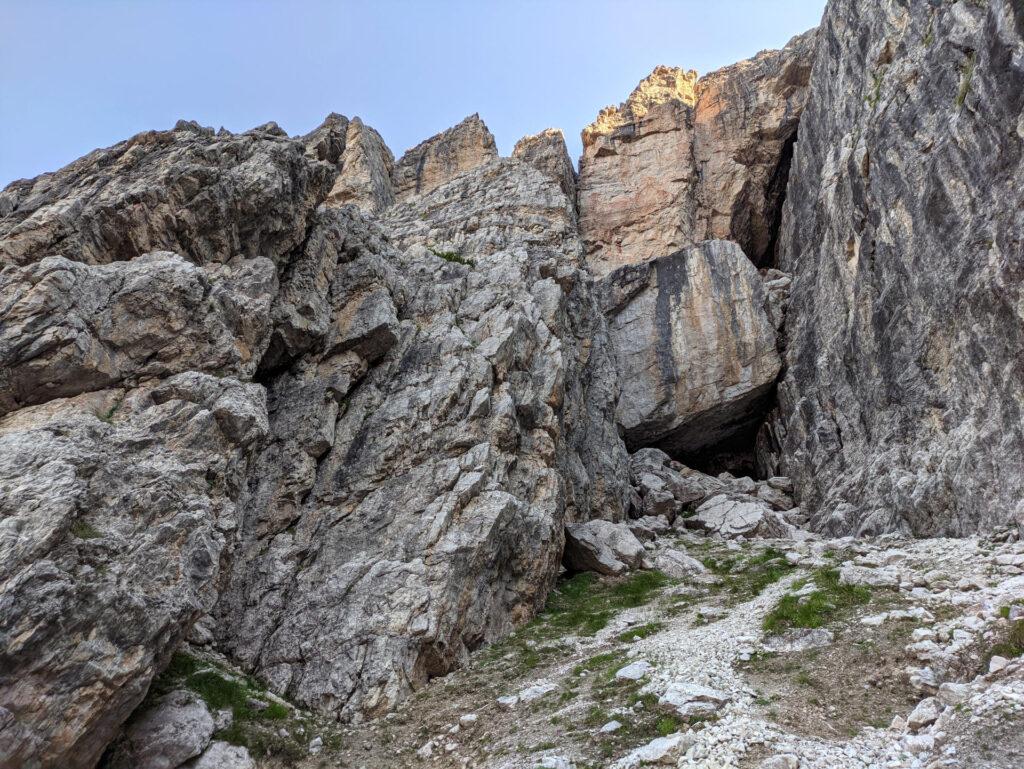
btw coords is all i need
(901, 405)
(687, 159)
(335, 422)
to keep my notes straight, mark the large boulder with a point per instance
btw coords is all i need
(603, 547)
(694, 347)
(685, 160)
(901, 405)
(176, 728)
(70, 327)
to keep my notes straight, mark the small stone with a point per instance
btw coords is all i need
(997, 663)
(634, 671)
(925, 714)
(316, 745)
(468, 719)
(610, 727)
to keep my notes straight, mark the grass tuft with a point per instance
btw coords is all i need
(452, 256)
(819, 607)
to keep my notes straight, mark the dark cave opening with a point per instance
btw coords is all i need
(775, 198)
(732, 442)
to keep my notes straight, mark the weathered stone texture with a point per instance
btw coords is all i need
(901, 406)
(406, 512)
(441, 158)
(115, 508)
(685, 160)
(546, 152)
(68, 327)
(206, 196)
(694, 347)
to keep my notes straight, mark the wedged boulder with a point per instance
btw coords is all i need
(694, 348)
(902, 231)
(443, 157)
(547, 153)
(177, 728)
(684, 160)
(603, 547)
(207, 196)
(68, 327)
(116, 508)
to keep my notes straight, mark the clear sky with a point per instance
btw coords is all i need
(81, 74)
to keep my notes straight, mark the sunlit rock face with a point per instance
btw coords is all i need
(685, 160)
(546, 152)
(901, 406)
(441, 158)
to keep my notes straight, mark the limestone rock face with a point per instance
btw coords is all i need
(70, 328)
(206, 196)
(694, 347)
(116, 507)
(901, 406)
(443, 157)
(411, 503)
(501, 203)
(364, 178)
(685, 160)
(546, 152)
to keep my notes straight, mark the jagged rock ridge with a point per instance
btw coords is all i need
(331, 414)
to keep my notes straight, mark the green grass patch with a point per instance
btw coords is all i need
(666, 725)
(452, 256)
(1013, 643)
(814, 610)
(253, 726)
(84, 530)
(640, 631)
(747, 575)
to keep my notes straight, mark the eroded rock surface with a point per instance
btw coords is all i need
(694, 347)
(206, 196)
(116, 510)
(443, 157)
(70, 327)
(685, 160)
(546, 152)
(901, 406)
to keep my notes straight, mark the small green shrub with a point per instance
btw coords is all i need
(84, 530)
(1012, 645)
(452, 256)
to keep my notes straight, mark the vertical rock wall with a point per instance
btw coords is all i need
(901, 406)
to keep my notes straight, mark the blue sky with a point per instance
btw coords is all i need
(76, 75)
